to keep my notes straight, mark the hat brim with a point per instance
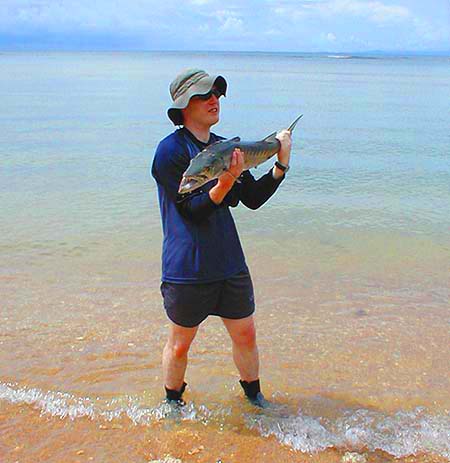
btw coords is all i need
(202, 87)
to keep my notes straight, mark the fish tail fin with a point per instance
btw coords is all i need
(292, 126)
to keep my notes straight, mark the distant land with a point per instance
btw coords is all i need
(356, 54)
(399, 53)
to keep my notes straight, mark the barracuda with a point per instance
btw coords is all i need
(214, 160)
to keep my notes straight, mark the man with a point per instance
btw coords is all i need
(203, 265)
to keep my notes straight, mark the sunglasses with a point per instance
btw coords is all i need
(208, 95)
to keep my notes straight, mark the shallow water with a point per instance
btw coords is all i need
(349, 259)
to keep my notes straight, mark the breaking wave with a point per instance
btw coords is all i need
(400, 435)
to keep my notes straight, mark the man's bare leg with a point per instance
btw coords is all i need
(175, 355)
(246, 358)
(245, 350)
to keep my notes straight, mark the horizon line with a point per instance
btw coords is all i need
(439, 53)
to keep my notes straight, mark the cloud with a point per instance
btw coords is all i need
(232, 25)
(84, 15)
(274, 33)
(431, 34)
(304, 25)
(200, 2)
(204, 28)
(293, 12)
(229, 20)
(374, 11)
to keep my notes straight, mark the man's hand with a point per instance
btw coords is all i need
(284, 154)
(226, 180)
(236, 167)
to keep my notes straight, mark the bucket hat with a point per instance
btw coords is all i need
(189, 83)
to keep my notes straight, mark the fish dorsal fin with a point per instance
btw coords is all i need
(207, 151)
(214, 144)
(219, 142)
(270, 137)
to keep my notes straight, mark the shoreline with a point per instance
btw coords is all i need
(203, 435)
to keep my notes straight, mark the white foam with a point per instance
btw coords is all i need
(299, 432)
(401, 434)
(55, 403)
(66, 405)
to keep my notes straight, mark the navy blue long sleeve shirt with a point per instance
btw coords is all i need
(201, 243)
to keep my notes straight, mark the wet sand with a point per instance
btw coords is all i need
(53, 440)
(353, 366)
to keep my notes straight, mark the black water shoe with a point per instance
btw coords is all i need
(253, 393)
(173, 397)
(259, 401)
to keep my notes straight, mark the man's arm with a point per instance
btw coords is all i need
(254, 193)
(169, 164)
(226, 181)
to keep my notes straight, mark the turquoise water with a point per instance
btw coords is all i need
(78, 131)
(351, 255)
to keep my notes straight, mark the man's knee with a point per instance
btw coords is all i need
(245, 337)
(179, 341)
(178, 348)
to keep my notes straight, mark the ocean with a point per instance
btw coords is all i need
(350, 261)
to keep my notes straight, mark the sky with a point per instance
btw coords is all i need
(218, 25)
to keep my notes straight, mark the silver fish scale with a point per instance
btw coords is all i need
(259, 152)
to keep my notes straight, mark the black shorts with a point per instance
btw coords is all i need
(189, 304)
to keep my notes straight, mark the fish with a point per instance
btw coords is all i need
(215, 159)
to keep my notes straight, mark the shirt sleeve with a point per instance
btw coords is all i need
(254, 193)
(169, 164)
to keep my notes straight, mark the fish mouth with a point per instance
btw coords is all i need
(189, 184)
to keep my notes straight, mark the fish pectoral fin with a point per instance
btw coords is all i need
(235, 139)
(270, 137)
